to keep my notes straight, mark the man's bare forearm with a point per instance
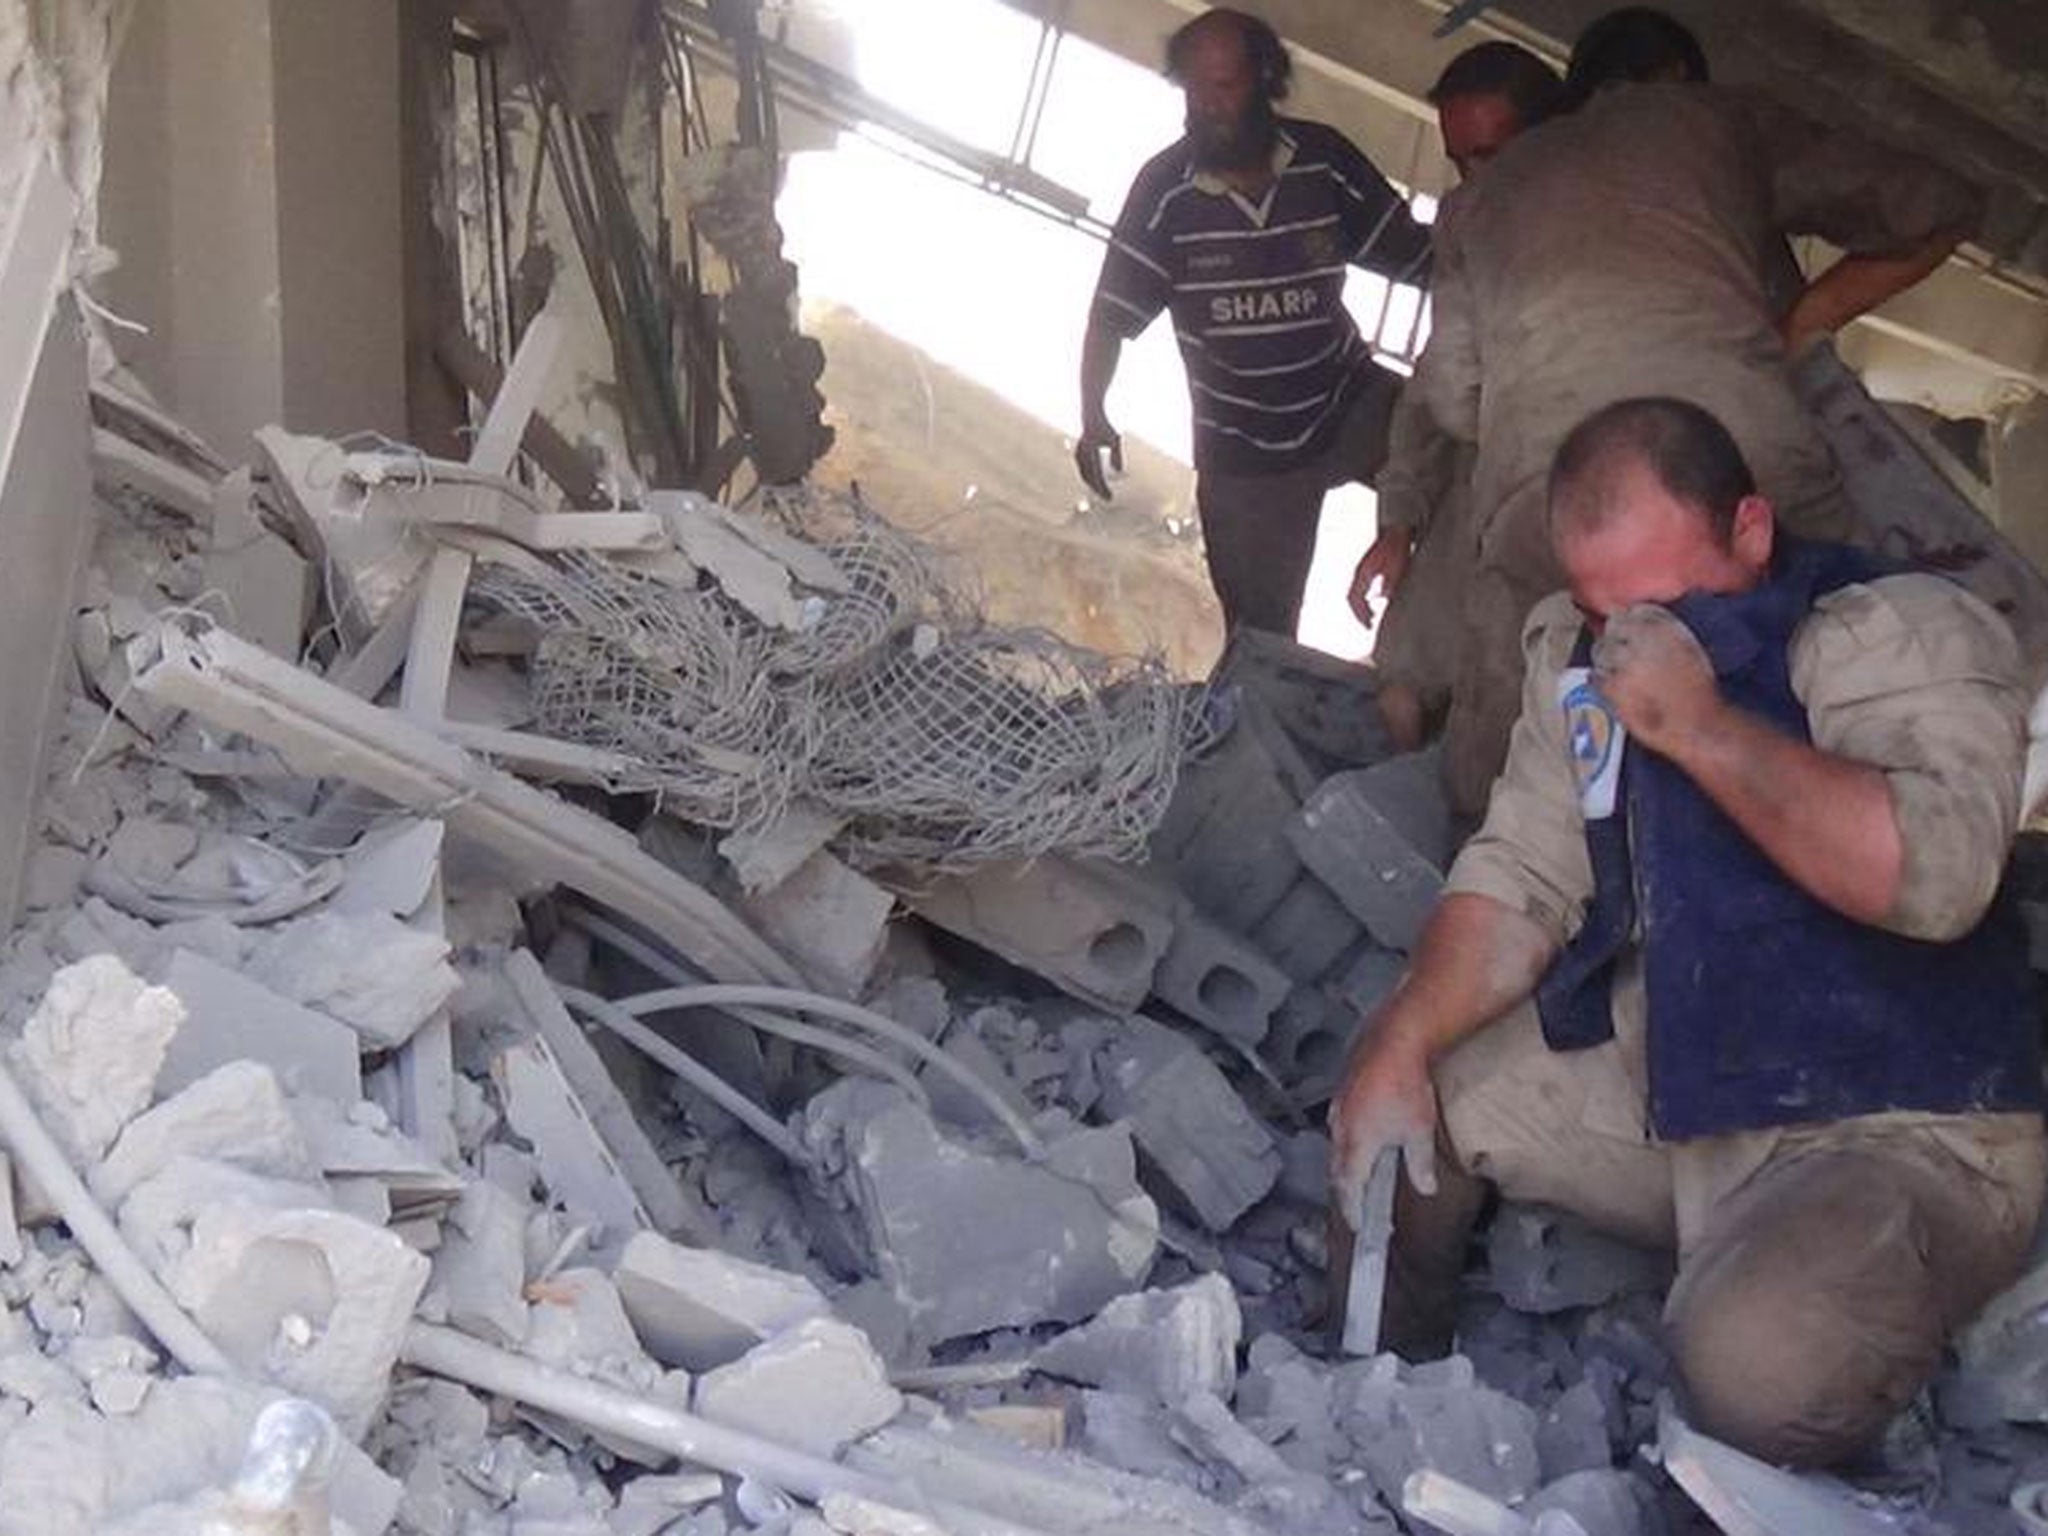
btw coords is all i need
(1855, 285)
(1478, 958)
(1826, 822)
(1101, 350)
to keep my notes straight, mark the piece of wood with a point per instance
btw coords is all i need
(518, 394)
(1365, 1294)
(430, 649)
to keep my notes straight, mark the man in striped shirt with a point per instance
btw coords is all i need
(1244, 230)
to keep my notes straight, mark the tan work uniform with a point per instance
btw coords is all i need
(1822, 1266)
(1425, 491)
(1624, 251)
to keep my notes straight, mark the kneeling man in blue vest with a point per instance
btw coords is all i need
(1725, 969)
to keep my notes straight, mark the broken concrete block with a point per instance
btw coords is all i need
(1360, 854)
(952, 1101)
(236, 1114)
(228, 1018)
(1326, 705)
(579, 1324)
(699, 1309)
(1168, 1344)
(378, 976)
(1309, 934)
(1311, 1035)
(480, 1267)
(971, 1241)
(827, 919)
(312, 1300)
(816, 1385)
(1438, 1418)
(1224, 836)
(1189, 1122)
(1091, 931)
(764, 858)
(1218, 979)
(1545, 1260)
(1288, 1400)
(1573, 1435)
(1132, 1434)
(90, 1053)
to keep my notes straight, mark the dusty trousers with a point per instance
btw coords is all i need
(1821, 1268)
(1259, 531)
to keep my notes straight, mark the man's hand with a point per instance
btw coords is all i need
(1096, 437)
(1387, 563)
(1648, 666)
(1387, 1100)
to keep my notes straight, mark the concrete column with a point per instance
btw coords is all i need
(252, 191)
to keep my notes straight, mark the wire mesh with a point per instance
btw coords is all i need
(934, 737)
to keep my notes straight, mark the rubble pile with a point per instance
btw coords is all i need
(396, 1143)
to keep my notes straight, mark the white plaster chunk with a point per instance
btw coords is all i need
(369, 970)
(649, 1505)
(699, 1308)
(764, 857)
(157, 1216)
(236, 1114)
(314, 1301)
(90, 1053)
(1168, 1344)
(228, 1018)
(816, 1386)
(480, 1268)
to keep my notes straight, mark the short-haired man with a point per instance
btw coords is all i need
(1244, 230)
(1630, 248)
(1421, 555)
(1723, 970)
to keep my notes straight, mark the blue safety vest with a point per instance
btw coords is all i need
(1765, 1006)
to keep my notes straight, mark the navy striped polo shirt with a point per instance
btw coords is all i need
(1257, 290)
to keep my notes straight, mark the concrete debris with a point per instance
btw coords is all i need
(90, 1053)
(297, 1042)
(1406, 1419)
(829, 920)
(1363, 854)
(1049, 1243)
(229, 1017)
(816, 1385)
(1217, 1158)
(1168, 1345)
(378, 976)
(700, 1309)
(237, 1114)
(1096, 934)
(1543, 1260)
